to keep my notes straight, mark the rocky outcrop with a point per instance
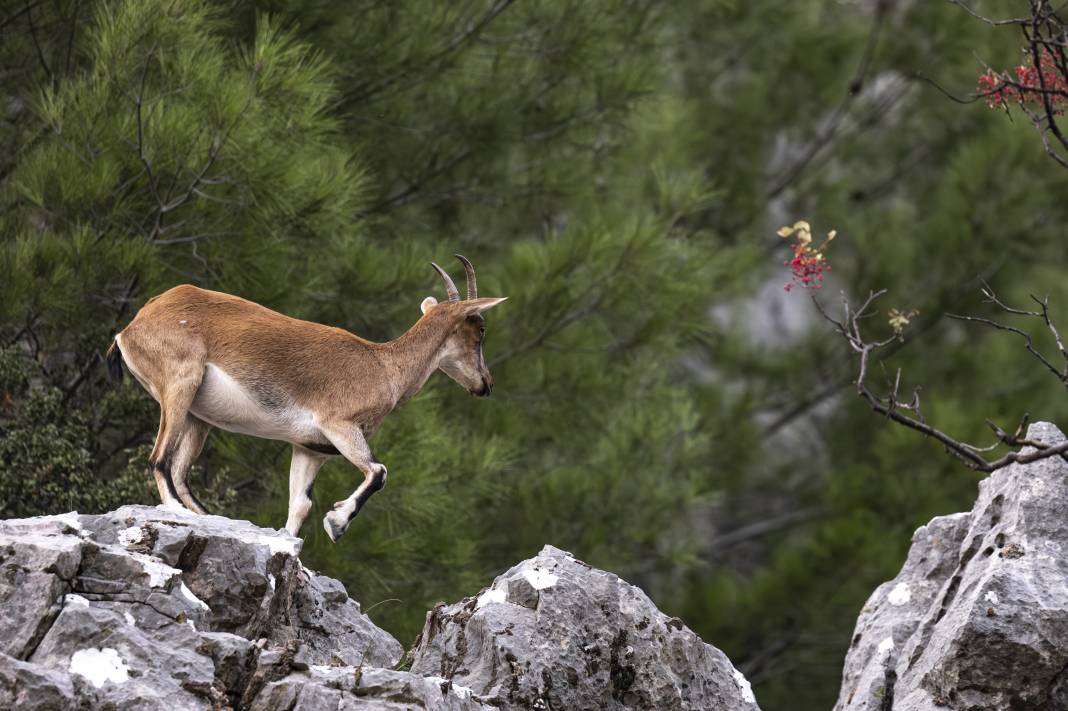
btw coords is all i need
(554, 633)
(978, 616)
(152, 608)
(149, 608)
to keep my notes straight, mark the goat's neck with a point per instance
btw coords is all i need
(413, 358)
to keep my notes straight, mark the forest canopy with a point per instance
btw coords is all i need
(618, 169)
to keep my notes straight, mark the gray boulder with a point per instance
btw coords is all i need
(554, 633)
(150, 608)
(146, 608)
(978, 616)
(31, 686)
(893, 612)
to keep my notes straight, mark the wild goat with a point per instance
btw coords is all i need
(216, 360)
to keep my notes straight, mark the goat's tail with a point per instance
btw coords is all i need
(113, 360)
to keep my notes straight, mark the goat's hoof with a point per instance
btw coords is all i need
(335, 525)
(175, 506)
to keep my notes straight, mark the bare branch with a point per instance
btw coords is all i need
(16, 15)
(138, 103)
(365, 92)
(37, 44)
(1044, 304)
(842, 110)
(989, 21)
(1045, 38)
(1043, 315)
(893, 409)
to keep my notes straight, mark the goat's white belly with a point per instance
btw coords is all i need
(222, 402)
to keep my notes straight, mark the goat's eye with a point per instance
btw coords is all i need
(482, 330)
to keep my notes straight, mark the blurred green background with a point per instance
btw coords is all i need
(664, 409)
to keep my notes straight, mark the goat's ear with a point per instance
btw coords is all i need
(427, 303)
(477, 306)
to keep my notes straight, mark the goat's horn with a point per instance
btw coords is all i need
(450, 288)
(472, 285)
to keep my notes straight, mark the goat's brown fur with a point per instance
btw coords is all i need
(328, 390)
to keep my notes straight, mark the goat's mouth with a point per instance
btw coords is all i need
(483, 390)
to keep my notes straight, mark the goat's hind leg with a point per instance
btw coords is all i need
(175, 399)
(190, 443)
(161, 468)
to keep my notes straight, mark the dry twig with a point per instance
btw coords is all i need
(908, 412)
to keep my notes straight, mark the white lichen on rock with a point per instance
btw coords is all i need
(491, 596)
(540, 579)
(280, 544)
(99, 666)
(130, 536)
(159, 573)
(885, 647)
(193, 598)
(900, 595)
(745, 687)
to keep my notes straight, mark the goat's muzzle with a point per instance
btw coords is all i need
(485, 389)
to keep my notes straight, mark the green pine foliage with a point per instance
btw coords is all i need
(167, 154)
(618, 169)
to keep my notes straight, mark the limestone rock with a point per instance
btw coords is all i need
(978, 616)
(554, 633)
(349, 688)
(892, 613)
(31, 687)
(149, 608)
(154, 608)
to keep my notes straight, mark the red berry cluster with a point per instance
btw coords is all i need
(806, 268)
(809, 262)
(1000, 91)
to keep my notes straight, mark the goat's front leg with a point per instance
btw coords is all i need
(302, 470)
(353, 446)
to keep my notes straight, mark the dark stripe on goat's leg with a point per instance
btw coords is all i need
(351, 442)
(161, 470)
(337, 521)
(174, 404)
(375, 484)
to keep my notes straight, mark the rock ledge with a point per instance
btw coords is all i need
(148, 608)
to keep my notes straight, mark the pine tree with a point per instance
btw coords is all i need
(618, 169)
(164, 155)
